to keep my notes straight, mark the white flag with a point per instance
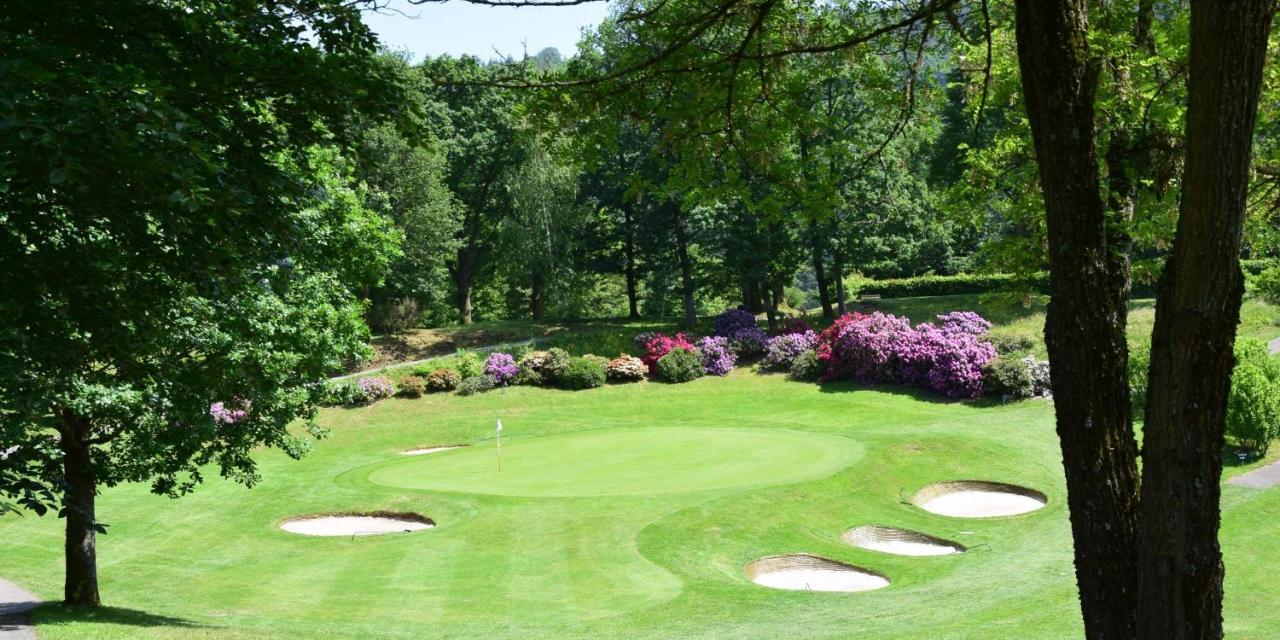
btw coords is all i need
(499, 426)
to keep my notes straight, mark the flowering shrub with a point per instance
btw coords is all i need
(679, 365)
(882, 347)
(502, 368)
(806, 367)
(555, 363)
(626, 368)
(375, 388)
(1039, 370)
(586, 372)
(531, 367)
(642, 339)
(966, 322)
(660, 345)
(222, 414)
(748, 342)
(730, 322)
(717, 357)
(443, 380)
(780, 351)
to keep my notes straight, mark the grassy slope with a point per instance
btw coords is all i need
(213, 565)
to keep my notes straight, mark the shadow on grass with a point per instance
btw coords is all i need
(55, 614)
(923, 395)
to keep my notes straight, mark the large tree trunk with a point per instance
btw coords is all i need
(1197, 310)
(1085, 327)
(686, 267)
(463, 273)
(819, 269)
(81, 552)
(770, 307)
(633, 298)
(537, 303)
(838, 263)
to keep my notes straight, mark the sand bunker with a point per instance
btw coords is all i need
(426, 450)
(357, 524)
(977, 499)
(903, 542)
(802, 572)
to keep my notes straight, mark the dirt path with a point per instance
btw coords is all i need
(15, 602)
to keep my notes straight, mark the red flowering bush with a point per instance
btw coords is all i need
(660, 345)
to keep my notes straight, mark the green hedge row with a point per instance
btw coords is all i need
(977, 283)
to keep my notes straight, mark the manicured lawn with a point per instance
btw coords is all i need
(628, 511)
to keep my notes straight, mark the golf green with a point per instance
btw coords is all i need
(634, 461)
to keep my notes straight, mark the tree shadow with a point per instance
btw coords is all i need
(923, 395)
(57, 613)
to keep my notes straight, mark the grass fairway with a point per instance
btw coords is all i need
(623, 512)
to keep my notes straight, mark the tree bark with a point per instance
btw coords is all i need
(838, 263)
(81, 552)
(463, 273)
(1197, 311)
(1085, 327)
(633, 298)
(819, 269)
(770, 309)
(537, 304)
(686, 266)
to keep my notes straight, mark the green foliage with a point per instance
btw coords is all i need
(411, 386)
(556, 361)
(581, 373)
(394, 315)
(469, 364)
(967, 284)
(807, 368)
(443, 380)
(1009, 343)
(679, 365)
(475, 384)
(1253, 408)
(1266, 285)
(1007, 377)
(1139, 365)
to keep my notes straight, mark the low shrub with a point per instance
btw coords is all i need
(1006, 343)
(1039, 370)
(626, 368)
(660, 345)
(1253, 407)
(375, 388)
(501, 367)
(530, 368)
(443, 380)
(642, 339)
(556, 361)
(781, 351)
(679, 365)
(412, 386)
(469, 364)
(475, 384)
(582, 373)
(730, 322)
(1007, 377)
(717, 358)
(806, 367)
(745, 337)
(341, 394)
(1139, 363)
(1266, 285)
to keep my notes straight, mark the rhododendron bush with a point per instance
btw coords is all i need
(717, 358)
(781, 351)
(884, 348)
(739, 327)
(660, 345)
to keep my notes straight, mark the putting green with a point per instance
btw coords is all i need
(637, 461)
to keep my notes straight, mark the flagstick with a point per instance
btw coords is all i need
(499, 437)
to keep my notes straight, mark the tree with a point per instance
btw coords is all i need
(188, 243)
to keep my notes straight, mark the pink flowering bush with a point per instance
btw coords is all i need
(502, 368)
(223, 414)
(375, 388)
(717, 358)
(884, 348)
(660, 345)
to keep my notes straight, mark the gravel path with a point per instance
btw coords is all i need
(15, 602)
(1274, 346)
(1264, 478)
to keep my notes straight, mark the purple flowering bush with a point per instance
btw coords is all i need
(501, 368)
(884, 348)
(717, 357)
(781, 351)
(746, 338)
